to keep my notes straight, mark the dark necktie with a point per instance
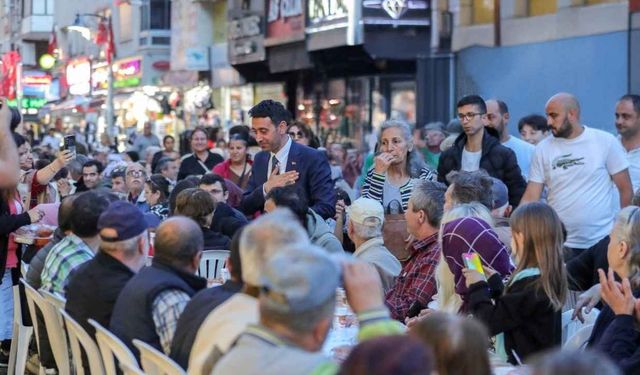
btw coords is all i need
(275, 165)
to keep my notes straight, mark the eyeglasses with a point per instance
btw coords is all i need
(469, 116)
(298, 134)
(136, 174)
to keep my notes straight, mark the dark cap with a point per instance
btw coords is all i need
(500, 193)
(120, 222)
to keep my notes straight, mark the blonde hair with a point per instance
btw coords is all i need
(627, 228)
(541, 229)
(448, 300)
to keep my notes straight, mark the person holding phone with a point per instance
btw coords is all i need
(525, 315)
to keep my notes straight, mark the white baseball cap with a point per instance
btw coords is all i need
(364, 208)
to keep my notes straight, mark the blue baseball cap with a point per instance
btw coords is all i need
(121, 221)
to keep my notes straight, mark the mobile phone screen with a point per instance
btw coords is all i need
(70, 144)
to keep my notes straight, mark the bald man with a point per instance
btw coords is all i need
(581, 167)
(149, 306)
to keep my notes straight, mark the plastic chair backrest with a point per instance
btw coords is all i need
(110, 347)
(21, 335)
(212, 262)
(29, 292)
(155, 362)
(130, 370)
(54, 298)
(579, 339)
(570, 327)
(79, 337)
(55, 330)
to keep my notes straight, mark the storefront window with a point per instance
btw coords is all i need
(403, 101)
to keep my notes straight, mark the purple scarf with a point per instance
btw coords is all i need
(470, 234)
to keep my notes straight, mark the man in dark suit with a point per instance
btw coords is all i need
(284, 162)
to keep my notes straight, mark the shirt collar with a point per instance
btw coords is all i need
(283, 154)
(419, 245)
(377, 241)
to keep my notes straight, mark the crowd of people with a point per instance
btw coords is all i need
(457, 247)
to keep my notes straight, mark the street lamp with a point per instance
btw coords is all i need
(80, 27)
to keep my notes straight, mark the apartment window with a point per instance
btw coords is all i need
(39, 7)
(482, 11)
(540, 7)
(156, 15)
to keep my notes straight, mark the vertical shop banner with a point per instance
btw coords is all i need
(10, 62)
(246, 31)
(285, 22)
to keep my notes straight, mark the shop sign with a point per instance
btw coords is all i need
(285, 22)
(246, 42)
(396, 12)
(197, 58)
(35, 84)
(28, 103)
(100, 78)
(127, 73)
(78, 76)
(326, 13)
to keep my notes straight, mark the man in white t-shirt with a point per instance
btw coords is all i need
(581, 168)
(498, 118)
(628, 126)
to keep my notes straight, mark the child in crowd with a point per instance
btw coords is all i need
(524, 314)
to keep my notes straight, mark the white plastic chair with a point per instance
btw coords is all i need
(579, 339)
(570, 327)
(55, 299)
(21, 337)
(155, 362)
(53, 324)
(110, 347)
(79, 337)
(212, 262)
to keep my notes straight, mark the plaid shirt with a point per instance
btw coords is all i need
(63, 259)
(417, 280)
(166, 310)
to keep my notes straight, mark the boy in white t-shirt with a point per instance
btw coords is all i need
(581, 167)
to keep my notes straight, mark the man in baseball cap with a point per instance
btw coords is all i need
(95, 286)
(297, 301)
(364, 227)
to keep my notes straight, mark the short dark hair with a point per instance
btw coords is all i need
(196, 204)
(118, 172)
(158, 183)
(133, 155)
(471, 187)
(234, 255)
(187, 183)
(271, 109)
(18, 139)
(212, 178)
(537, 122)
(502, 107)
(475, 100)
(199, 129)
(287, 196)
(65, 212)
(634, 99)
(163, 163)
(176, 245)
(93, 163)
(164, 139)
(87, 208)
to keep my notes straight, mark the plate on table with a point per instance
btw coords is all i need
(37, 234)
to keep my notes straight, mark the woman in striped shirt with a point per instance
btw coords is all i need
(396, 166)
